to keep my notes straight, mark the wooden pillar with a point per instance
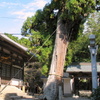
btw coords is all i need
(11, 54)
(23, 88)
(1, 63)
(23, 70)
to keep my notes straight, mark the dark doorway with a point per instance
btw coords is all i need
(82, 83)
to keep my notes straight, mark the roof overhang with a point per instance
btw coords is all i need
(81, 67)
(5, 38)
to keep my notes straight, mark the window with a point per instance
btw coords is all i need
(13, 72)
(8, 70)
(3, 69)
(20, 74)
(16, 72)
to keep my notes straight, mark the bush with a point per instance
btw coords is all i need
(96, 94)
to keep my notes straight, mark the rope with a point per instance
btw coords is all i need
(27, 62)
(9, 82)
(55, 74)
(41, 46)
(69, 37)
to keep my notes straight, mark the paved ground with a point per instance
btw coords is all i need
(75, 98)
(13, 90)
(69, 98)
(72, 98)
(64, 98)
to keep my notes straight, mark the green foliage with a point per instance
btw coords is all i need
(12, 37)
(40, 26)
(93, 24)
(80, 46)
(78, 50)
(78, 8)
(39, 31)
(45, 69)
(96, 94)
(33, 76)
(23, 41)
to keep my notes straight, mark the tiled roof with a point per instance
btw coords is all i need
(13, 42)
(81, 67)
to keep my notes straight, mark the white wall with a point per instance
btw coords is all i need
(67, 86)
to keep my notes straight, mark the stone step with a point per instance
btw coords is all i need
(14, 93)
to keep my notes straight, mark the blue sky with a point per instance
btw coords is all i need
(14, 12)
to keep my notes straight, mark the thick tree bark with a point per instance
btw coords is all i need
(57, 64)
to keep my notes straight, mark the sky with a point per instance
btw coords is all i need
(13, 13)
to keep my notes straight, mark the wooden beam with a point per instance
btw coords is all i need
(13, 48)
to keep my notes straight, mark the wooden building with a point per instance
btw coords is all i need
(12, 59)
(77, 78)
(81, 77)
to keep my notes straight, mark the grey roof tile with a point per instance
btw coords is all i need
(81, 67)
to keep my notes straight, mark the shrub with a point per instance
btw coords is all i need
(96, 94)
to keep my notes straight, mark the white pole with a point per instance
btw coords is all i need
(94, 67)
(93, 50)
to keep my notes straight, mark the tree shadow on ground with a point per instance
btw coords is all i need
(8, 95)
(14, 96)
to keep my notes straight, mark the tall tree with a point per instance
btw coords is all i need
(71, 13)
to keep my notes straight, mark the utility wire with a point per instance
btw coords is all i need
(9, 82)
(12, 18)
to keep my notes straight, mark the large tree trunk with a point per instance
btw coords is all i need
(57, 64)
